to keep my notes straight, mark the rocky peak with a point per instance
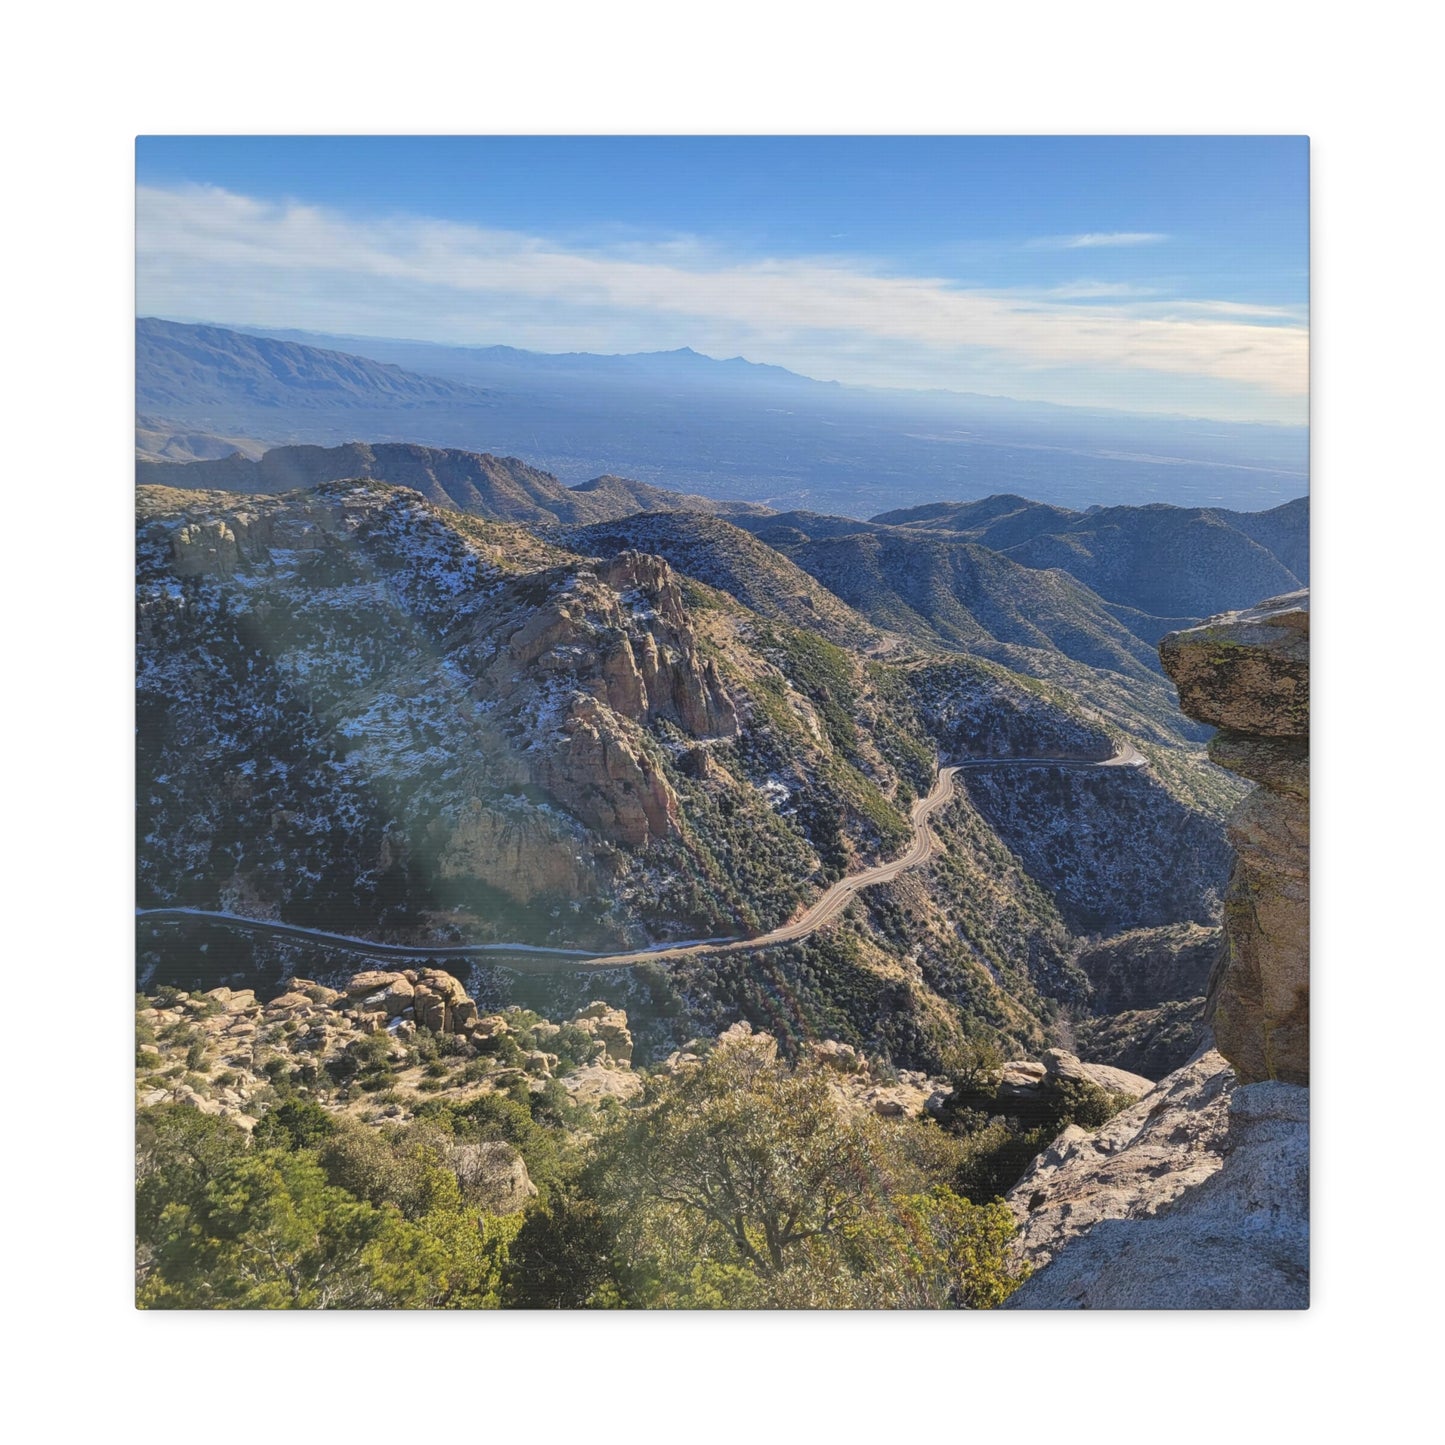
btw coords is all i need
(1247, 672)
(614, 648)
(652, 577)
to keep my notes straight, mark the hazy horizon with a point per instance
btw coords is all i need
(1151, 275)
(301, 335)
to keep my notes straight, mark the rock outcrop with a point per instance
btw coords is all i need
(234, 1046)
(852, 1079)
(609, 1026)
(1198, 1196)
(612, 645)
(495, 1174)
(1248, 674)
(1026, 1081)
(1131, 1168)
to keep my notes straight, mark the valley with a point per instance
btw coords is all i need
(376, 725)
(923, 847)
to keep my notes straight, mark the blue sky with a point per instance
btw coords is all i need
(1158, 274)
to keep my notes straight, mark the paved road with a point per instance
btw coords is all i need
(924, 846)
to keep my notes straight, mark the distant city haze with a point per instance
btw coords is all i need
(723, 428)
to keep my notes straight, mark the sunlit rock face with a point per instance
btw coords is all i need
(1248, 674)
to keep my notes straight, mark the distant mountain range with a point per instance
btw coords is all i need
(189, 366)
(732, 430)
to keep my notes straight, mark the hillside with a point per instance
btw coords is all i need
(1169, 562)
(941, 593)
(182, 368)
(158, 440)
(624, 498)
(967, 598)
(724, 556)
(501, 489)
(364, 713)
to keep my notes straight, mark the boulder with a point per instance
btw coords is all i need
(494, 1176)
(318, 992)
(1021, 1079)
(429, 1009)
(591, 1083)
(397, 998)
(831, 1054)
(1113, 1081)
(1139, 1161)
(609, 1026)
(289, 1003)
(371, 981)
(1246, 672)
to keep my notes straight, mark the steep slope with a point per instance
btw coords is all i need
(734, 561)
(1169, 562)
(363, 713)
(502, 489)
(999, 521)
(964, 597)
(355, 706)
(1284, 530)
(180, 368)
(622, 497)
(1198, 1196)
(158, 440)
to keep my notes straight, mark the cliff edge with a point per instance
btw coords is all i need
(1197, 1197)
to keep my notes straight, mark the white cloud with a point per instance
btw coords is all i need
(203, 252)
(1099, 291)
(1102, 238)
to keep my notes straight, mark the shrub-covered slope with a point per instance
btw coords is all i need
(1165, 561)
(358, 708)
(362, 712)
(734, 561)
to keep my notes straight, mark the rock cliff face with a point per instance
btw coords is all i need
(1248, 674)
(609, 646)
(1198, 1196)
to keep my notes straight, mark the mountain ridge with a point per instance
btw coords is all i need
(731, 429)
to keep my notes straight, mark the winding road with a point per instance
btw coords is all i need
(924, 846)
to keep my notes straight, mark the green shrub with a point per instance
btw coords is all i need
(296, 1124)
